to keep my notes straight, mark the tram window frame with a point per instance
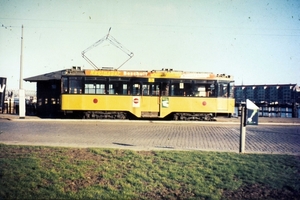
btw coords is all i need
(88, 89)
(202, 88)
(224, 89)
(136, 88)
(146, 89)
(97, 84)
(181, 87)
(118, 85)
(155, 89)
(111, 89)
(151, 89)
(177, 89)
(125, 90)
(192, 88)
(199, 90)
(100, 88)
(165, 88)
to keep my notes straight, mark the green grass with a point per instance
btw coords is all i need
(28, 172)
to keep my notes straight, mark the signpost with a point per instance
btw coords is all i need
(249, 116)
(243, 129)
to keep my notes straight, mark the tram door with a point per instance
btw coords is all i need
(222, 100)
(151, 100)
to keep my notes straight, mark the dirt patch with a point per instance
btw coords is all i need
(82, 154)
(257, 191)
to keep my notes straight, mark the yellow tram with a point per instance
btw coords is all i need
(121, 94)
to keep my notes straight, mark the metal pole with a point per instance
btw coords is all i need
(21, 62)
(21, 90)
(243, 129)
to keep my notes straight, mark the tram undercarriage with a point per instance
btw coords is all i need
(127, 115)
(104, 115)
(193, 117)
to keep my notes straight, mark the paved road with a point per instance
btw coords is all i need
(144, 135)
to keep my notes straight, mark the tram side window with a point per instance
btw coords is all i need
(125, 89)
(200, 91)
(89, 88)
(177, 89)
(231, 89)
(146, 90)
(191, 89)
(203, 90)
(181, 89)
(75, 85)
(223, 90)
(155, 90)
(136, 87)
(172, 91)
(150, 89)
(111, 89)
(212, 90)
(188, 89)
(116, 88)
(100, 88)
(165, 89)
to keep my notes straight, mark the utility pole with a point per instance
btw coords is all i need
(21, 62)
(21, 90)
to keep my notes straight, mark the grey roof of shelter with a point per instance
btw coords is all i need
(46, 77)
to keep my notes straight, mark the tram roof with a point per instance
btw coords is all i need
(164, 73)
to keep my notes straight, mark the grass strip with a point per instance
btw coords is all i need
(30, 172)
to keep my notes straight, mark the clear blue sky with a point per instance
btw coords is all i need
(256, 41)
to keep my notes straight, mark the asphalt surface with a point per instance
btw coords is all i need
(272, 136)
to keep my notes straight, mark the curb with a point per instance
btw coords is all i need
(146, 121)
